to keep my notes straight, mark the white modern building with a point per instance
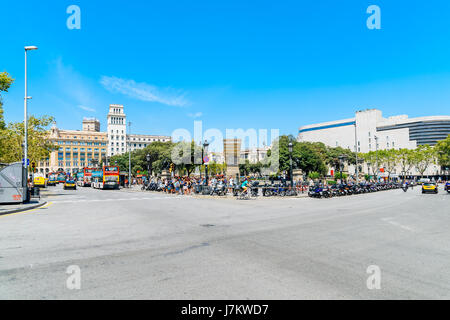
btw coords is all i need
(369, 130)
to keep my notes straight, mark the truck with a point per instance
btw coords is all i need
(13, 183)
(106, 178)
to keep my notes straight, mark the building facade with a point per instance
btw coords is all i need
(141, 141)
(117, 130)
(74, 149)
(370, 131)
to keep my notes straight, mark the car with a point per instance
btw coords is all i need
(423, 181)
(70, 184)
(429, 188)
(447, 187)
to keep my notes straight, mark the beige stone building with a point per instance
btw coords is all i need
(75, 149)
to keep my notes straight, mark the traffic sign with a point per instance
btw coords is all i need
(28, 162)
(205, 159)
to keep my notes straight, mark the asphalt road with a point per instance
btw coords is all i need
(141, 245)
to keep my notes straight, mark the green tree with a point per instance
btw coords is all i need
(424, 155)
(443, 152)
(389, 159)
(39, 146)
(5, 83)
(405, 159)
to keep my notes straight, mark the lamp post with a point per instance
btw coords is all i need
(356, 154)
(205, 146)
(129, 154)
(368, 169)
(148, 158)
(376, 151)
(25, 120)
(291, 178)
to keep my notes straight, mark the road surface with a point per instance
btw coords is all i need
(142, 245)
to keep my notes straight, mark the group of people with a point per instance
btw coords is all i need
(187, 185)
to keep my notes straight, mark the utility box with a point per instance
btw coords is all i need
(13, 183)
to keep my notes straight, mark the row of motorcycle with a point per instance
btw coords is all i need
(220, 189)
(339, 190)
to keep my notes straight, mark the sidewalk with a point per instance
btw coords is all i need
(14, 208)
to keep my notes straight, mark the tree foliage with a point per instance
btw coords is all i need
(443, 152)
(5, 83)
(39, 146)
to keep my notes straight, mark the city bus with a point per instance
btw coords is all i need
(107, 178)
(61, 177)
(80, 179)
(87, 177)
(52, 179)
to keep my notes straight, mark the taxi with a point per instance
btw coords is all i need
(70, 184)
(429, 188)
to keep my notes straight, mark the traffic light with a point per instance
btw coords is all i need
(33, 166)
(172, 167)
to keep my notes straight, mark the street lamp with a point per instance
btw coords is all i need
(205, 147)
(25, 120)
(290, 165)
(148, 158)
(368, 169)
(129, 154)
(376, 148)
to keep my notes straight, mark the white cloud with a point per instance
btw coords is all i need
(195, 115)
(87, 108)
(74, 88)
(144, 92)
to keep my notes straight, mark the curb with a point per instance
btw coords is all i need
(23, 209)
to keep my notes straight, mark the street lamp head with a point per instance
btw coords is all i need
(29, 48)
(205, 144)
(290, 146)
(148, 157)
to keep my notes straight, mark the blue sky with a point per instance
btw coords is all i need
(232, 64)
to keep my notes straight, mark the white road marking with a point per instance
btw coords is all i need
(397, 224)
